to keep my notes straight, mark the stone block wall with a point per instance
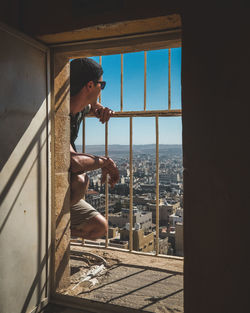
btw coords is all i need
(60, 169)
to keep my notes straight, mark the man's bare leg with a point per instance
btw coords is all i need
(79, 187)
(95, 228)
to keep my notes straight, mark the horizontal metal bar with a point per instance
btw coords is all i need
(144, 113)
(165, 256)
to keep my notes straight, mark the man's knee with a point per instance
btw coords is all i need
(95, 228)
(100, 226)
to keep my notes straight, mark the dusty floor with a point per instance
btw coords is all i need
(141, 282)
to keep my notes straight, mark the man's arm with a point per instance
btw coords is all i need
(83, 162)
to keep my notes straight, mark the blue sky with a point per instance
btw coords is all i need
(133, 98)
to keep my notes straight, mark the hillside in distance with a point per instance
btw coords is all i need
(118, 151)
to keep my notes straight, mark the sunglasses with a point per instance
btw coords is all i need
(103, 84)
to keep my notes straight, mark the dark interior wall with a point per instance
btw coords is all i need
(216, 129)
(10, 13)
(47, 16)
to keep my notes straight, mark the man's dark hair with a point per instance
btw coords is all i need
(82, 71)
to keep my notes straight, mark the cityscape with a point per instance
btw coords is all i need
(144, 198)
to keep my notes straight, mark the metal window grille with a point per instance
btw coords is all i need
(131, 114)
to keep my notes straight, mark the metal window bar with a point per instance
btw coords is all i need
(121, 82)
(83, 150)
(83, 136)
(145, 79)
(169, 79)
(106, 187)
(131, 114)
(151, 113)
(100, 62)
(157, 184)
(131, 186)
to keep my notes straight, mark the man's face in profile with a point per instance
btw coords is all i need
(94, 90)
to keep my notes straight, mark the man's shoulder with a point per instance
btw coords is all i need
(86, 110)
(81, 114)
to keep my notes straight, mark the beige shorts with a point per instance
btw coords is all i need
(81, 213)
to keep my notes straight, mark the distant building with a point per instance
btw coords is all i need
(163, 233)
(140, 199)
(113, 232)
(117, 243)
(171, 242)
(163, 246)
(148, 188)
(120, 189)
(123, 172)
(165, 211)
(97, 201)
(178, 178)
(164, 179)
(176, 217)
(179, 239)
(141, 241)
(143, 218)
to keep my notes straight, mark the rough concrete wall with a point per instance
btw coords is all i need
(216, 128)
(61, 163)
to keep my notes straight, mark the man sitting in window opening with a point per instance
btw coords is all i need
(85, 87)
